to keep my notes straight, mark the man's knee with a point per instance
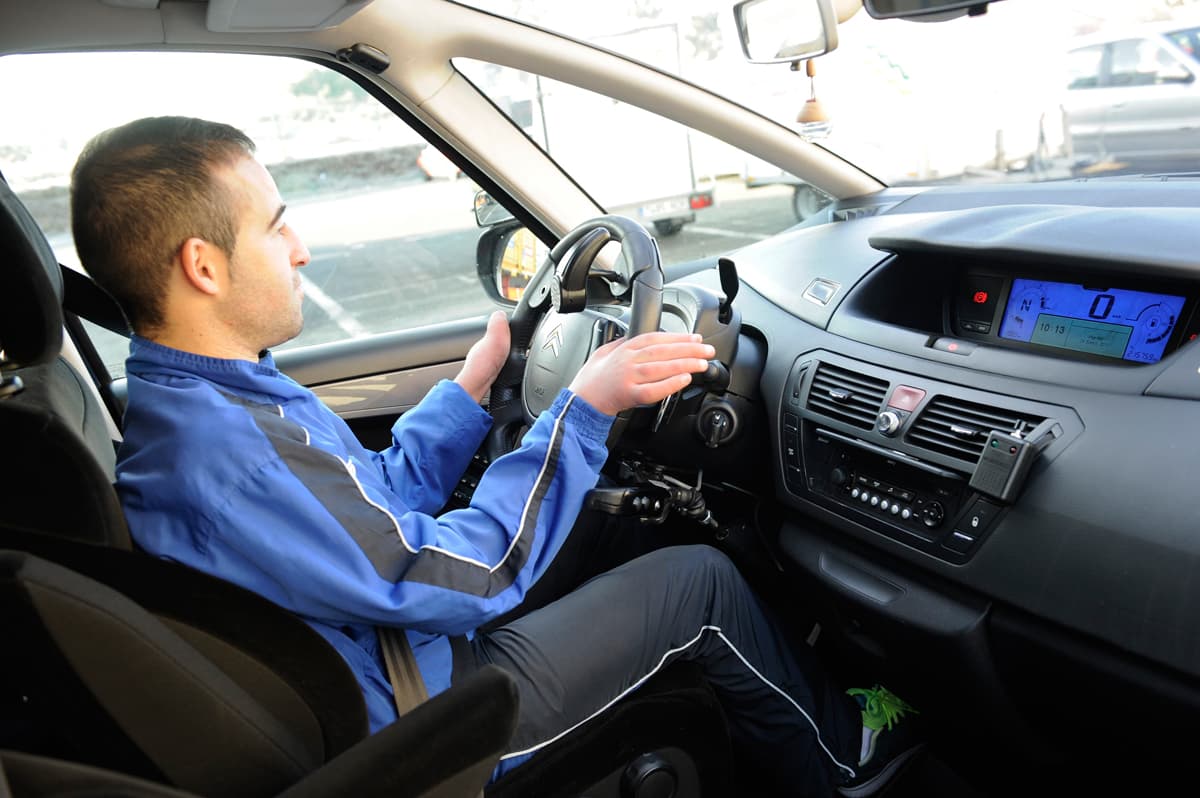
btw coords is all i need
(698, 559)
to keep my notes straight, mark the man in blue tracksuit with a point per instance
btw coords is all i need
(233, 468)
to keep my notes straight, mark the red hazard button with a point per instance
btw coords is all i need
(906, 398)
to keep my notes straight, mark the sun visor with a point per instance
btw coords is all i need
(267, 16)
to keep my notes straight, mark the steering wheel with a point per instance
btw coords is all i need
(554, 330)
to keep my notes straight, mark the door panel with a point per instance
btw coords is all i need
(369, 382)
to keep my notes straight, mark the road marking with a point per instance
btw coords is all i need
(716, 231)
(341, 317)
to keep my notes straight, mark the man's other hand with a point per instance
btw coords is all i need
(648, 368)
(486, 357)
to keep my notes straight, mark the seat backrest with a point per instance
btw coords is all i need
(104, 682)
(55, 435)
(267, 650)
(115, 696)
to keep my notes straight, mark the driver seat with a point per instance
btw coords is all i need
(53, 425)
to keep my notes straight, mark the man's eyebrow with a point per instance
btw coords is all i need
(278, 215)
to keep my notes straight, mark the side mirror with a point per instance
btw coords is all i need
(507, 257)
(785, 31)
(488, 212)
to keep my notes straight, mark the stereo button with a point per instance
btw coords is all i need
(791, 447)
(932, 514)
(978, 518)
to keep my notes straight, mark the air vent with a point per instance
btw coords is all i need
(846, 395)
(959, 428)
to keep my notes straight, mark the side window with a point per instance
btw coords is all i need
(1083, 67)
(1142, 62)
(699, 196)
(1187, 40)
(388, 220)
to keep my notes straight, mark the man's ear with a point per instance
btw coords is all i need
(204, 265)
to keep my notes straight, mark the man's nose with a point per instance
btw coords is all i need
(300, 253)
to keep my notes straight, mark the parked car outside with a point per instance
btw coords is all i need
(437, 166)
(1134, 95)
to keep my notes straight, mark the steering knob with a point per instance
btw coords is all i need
(715, 378)
(568, 289)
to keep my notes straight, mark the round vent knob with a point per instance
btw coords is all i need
(887, 422)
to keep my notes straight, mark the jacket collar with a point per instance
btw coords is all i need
(152, 361)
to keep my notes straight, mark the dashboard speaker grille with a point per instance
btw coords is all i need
(847, 396)
(959, 428)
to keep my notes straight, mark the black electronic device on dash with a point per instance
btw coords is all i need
(1007, 458)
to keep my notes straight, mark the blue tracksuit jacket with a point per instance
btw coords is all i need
(233, 468)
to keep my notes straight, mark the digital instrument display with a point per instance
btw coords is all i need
(1111, 322)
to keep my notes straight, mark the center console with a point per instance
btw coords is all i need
(928, 464)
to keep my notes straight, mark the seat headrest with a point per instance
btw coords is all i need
(31, 288)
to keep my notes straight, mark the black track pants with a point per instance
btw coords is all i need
(575, 656)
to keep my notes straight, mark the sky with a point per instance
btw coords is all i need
(81, 94)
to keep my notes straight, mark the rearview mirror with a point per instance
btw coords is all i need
(785, 31)
(890, 9)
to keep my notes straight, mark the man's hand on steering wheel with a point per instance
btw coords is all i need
(559, 320)
(485, 358)
(641, 370)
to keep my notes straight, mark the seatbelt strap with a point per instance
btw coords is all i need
(408, 687)
(84, 298)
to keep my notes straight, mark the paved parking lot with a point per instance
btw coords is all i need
(427, 229)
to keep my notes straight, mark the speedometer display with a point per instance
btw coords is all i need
(1111, 322)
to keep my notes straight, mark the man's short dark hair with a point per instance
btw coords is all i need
(139, 191)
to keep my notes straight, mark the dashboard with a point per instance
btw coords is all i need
(981, 405)
(968, 414)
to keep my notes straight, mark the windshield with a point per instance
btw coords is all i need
(1031, 90)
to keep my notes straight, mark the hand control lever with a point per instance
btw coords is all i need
(729, 285)
(653, 501)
